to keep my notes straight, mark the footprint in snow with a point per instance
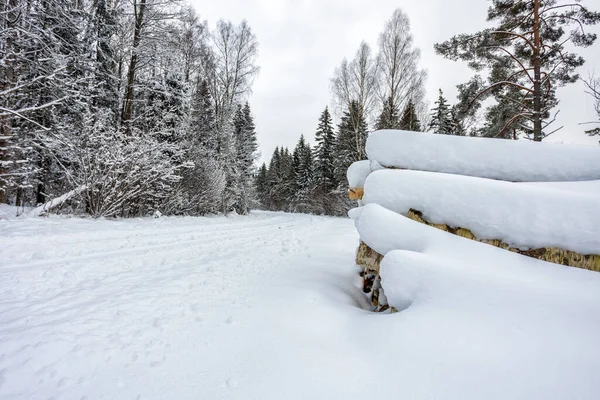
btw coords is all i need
(231, 383)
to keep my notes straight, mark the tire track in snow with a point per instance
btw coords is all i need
(12, 268)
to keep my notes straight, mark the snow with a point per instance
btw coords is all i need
(36, 212)
(582, 187)
(268, 306)
(508, 326)
(523, 216)
(357, 173)
(510, 160)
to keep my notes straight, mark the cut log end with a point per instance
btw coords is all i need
(356, 193)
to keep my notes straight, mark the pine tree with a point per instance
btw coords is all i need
(409, 120)
(441, 120)
(324, 152)
(388, 119)
(527, 58)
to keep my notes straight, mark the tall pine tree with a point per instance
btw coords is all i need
(325, 152)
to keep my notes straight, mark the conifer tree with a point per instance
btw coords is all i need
(245, 149)
(351, 141)
(409, 120)
(303, 175)
(262, 186)
(389, 117)
(324, 152)
(441, 119)
(527, 57)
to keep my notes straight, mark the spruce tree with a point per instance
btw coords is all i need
(389, 117)
(245, 153)
(441, 120)
(351, 141)
(324, 152)
(262, 186)
(409, 120)
(303, 175)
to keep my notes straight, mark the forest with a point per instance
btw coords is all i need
(124, 109)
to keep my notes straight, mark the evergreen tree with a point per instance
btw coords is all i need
(262, 186)
(202, 122)
(409, 120)
(527, 57)
(389, 118)
(351, 141)
(245, 154)
(458, 128)
(441, 119)
(324, 152)
(303, 175)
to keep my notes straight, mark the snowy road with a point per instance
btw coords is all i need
(173, 308)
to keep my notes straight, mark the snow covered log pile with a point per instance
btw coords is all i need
(541, 200)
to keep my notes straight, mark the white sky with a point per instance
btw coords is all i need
(302, 41)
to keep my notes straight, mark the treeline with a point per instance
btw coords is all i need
(131, 107)
(309, 179)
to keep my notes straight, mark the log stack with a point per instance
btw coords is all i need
(536, 199)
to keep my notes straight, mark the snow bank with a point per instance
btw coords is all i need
(357, 173)
(518, 161)
(536, 335)
(523, 216)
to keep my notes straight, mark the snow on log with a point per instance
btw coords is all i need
(36, 212)
(357, 173)
(509, 160)
(383, 230)
(521, 216)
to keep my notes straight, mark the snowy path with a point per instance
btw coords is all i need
(174, 308)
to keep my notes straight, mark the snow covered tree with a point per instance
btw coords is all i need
(245, 154)
(303, 175)
(122, 105)
(527, 57)
(441, 118)
(409, 120)
(325, 152)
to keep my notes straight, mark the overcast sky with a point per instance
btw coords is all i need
(302, 41)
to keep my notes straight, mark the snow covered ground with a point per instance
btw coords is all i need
(268, 306)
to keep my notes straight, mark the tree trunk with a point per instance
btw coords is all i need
(537, 87)
(10, 19)
(137, 36)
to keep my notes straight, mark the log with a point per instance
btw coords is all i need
(356, 193)
(551, 254)
(36, 212)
